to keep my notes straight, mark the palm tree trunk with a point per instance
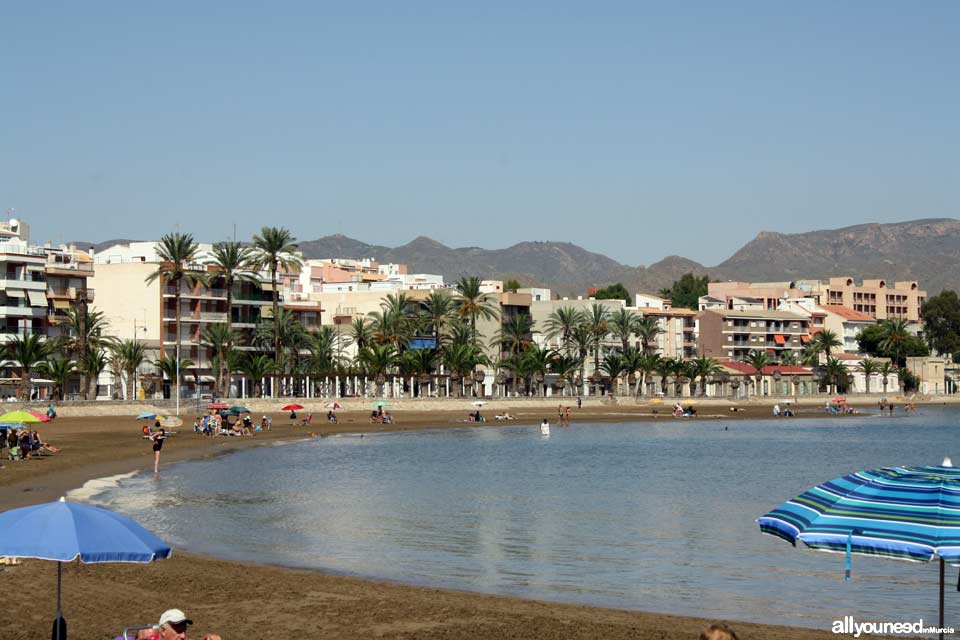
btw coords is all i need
(176, 348)
(276, 313)
(223, 382)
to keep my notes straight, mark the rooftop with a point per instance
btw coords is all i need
(846, 313)
(757, 313)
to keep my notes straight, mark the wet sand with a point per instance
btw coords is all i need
(255, 601)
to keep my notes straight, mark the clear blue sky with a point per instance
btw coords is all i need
(633, 129)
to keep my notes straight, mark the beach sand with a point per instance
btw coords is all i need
(254, 601)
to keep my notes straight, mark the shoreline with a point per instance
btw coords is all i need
(90, 439)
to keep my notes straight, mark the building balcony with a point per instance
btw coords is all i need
(23, 312)
(29, 285)
(170, 292)
(72, 269)
(69, 293)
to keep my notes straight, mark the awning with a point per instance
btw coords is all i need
(804, 339)
(207, 379)
(37, 298)
(61, 304)
(16, 293)
(779, 339)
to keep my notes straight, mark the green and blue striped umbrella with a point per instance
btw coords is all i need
(907, 513)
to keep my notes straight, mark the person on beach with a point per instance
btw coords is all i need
(173, 626)
(579, 402)
(718, 631)
(157, 440)
(567, 415)
(51, 412)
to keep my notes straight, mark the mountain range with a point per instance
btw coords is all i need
(926, 250)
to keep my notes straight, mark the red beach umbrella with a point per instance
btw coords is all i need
(42, 417)
(292, 407)
(332, 405)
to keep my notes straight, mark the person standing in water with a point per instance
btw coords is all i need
(157, 439)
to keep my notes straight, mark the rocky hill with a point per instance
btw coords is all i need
(925, 250)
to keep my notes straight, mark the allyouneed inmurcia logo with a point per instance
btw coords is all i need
(851, 627)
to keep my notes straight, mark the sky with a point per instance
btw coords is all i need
(634, 129)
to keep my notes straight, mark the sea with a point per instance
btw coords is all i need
(652, 516)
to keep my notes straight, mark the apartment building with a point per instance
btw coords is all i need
(136, 309)
(878, 299)
(68, 271)
(23, 286)
(843, 321)
(678, 332)
(733, 334)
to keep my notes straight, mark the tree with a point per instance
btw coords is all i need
(324, 350)
(130, 354)
(597, 319)
(941, 323)
(565, 366)
(59, 371)
(257, 366)
(614, 366)
(361, 333)
(292, 338)
(472, 303)
(647, 364)
(93, 365)
(220, 338)
(439, 307)
(377, 360)
(512, 285)
(836, 372)
(171, 370)
(686, 291)
(85, 331)
(515, 334)
(274, 249)
(647, 329)
(827, 340)
(896, 335)
(561, 323)
(758, 360)
(886, 370)
(702, 368)
(234, 262)
(621, 325)
(177, 253)
(537, 363)
(873, 341)
(421, 363)
(460, 359)
(614, 292)
(869, 368)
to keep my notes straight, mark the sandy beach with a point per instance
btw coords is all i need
(248, 600)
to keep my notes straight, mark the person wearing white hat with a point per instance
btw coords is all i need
(173, 626)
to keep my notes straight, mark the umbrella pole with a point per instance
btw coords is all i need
(941, 597)
(59, 615)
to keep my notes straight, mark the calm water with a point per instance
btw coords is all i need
(657, 517)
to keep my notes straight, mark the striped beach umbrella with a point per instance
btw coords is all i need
(905, 513)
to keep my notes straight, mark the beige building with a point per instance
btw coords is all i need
(68, 271)
(678, 337)
(930, 373)
(733, 334)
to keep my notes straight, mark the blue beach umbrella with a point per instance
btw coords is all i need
(63, 531)
(146, 415)
(905, 513)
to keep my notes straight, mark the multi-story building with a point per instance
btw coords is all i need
(68, 271)
(875, 298)
(23, 286)
(146, 311)
(733, 334)
(843, 321)
(678, 332)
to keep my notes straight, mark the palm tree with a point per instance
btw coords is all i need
(257, 366)
(614, 366)
(582, 340)
(85, 331)
(323, 349)
(292, 338)
(665, 369)
(60, 371)
(515, 334)
(869, 367)
(836, 372)
(788, 358)
(377, 360)
(460, 359)
(361, 333)
(886, 370)
(561, 322)
(171, 369)
(235, 263)
(758, 360)
(620, 325)
(26, 352)
(647, 328)
(420, 363)
(472, 303)
(274, 249)
(130, 355)
(565, 366)
(395, 323)
(537, 362)
(702, 368)
(896, 334)
(647, 364)
(827, 340)
(597, 319)
(439, 309)
(220, 337)
(177, 253)
(92, 366)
